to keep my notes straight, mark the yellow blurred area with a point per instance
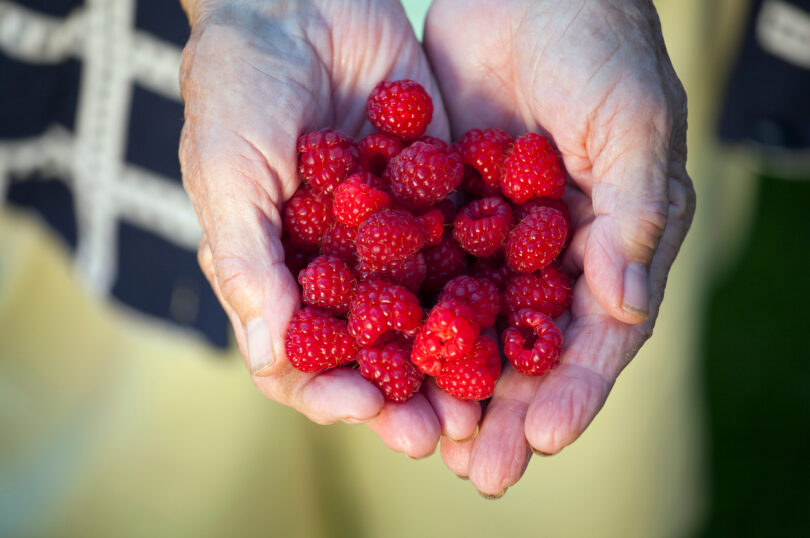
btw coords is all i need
(114, 425)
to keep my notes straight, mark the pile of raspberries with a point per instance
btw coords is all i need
(409, 250)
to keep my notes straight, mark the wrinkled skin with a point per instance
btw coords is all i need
(593, 74)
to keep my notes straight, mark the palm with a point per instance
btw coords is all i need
(556, 68)
(253, 81)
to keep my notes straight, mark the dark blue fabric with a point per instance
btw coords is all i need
(36, 96)
(57, 8)
(164, 19)
(153, 133)
(50, 198)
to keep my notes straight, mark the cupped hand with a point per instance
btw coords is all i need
(594, 75)
(255, 75)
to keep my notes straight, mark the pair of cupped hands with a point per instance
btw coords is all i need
(594, 75)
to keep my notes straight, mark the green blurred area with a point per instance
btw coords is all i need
(756, 366)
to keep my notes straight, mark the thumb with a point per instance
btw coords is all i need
(630, 202)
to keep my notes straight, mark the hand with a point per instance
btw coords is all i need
(255, 75)
(595, 76)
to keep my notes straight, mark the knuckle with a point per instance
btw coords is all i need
(644, 231)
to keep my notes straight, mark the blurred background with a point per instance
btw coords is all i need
(129, 413)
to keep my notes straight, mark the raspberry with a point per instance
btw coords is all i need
(409, 272)
(432, 224)
(325, 158)
(478, 293)
(474, 376)
(482, 226)
(437, 143)
(532, 169)
(423, 174)
(536, 240)
(473, 184)
(391, 370)
(306, 217)
(338, 240)
(317, 341)
(448, 209)
(376, 150)
(444, 261)
(449, 333)
(355, 200)
(379, 307)
(400, 108)
(547, 291)
(294, 259)
(483, 153)
(493, 269)
(522, 211)
(328, 283)
(388, 236)
(533, 343)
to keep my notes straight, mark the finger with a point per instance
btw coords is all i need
(457, 456)
(410, 427)
(458, 419)
(500, 451)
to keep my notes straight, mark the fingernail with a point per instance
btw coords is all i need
(466, 439)
(352, 420)
(636, 298)
(467, 478)
(493, 497)
(541, 453)
(260, 352)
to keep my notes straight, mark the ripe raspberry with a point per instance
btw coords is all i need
(482, 226)
(400, 108)
(532, 169)
(409, 272)
(449, 333)
(478, 293)
(325, 158)
(437, 143)
(338, 240)
(432, 223)
(387, 236)
(448, 209)
(494, 269)
(328, 283)
(306, 217)
(536, 240)
(547, 291)
(355, 201)
(522, 211)
(422, 174)
(376, 150)
(483, 153)
(473, 184)
(317, 341)
(444, 261)
(533, 343)
(391, 370)
(379, 307)
(474, 376)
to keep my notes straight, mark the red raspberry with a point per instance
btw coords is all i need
(391, 370)
(532, 169)
(328, 283)
(478, 293)
(400, 108)
(422, 174)
(482, 226)
(409, 272)
(379, 307)
(338, 240)
(483, 153)
(448, 209)
(388, 236)
(474, 376)
(355, 201)
(317, 341)
(494, 269)
(294, 259)
(449, 333)
(306, 217)
(472, 184)
(521, 211)
(437, 143)
(376, 150)
(536, 240)
(325, 158)
(444, 261)
(432, 223)
(547, 291)
(533, 343)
